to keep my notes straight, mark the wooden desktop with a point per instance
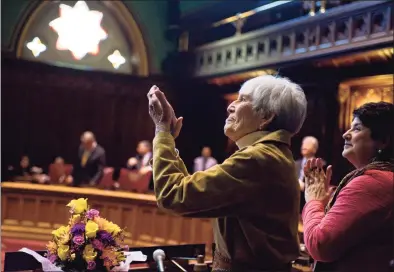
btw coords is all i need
(32, 211)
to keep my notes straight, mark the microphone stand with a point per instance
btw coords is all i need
(178, 265)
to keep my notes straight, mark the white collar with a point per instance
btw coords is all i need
(250, 138)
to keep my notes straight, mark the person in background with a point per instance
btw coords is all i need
(205, 161)
(253, 196)
(141, 161)
(139, 165)
(23, 169)
(309, 148)
(59, 176)
(353, 229)
(26, 172)
(91, 163)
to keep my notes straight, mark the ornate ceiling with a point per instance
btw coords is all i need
(86, 35)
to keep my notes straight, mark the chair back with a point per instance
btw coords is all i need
(106, 181)
(55, 172)
(132, 180)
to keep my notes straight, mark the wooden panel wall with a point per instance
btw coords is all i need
(46, 108)
(30, 211)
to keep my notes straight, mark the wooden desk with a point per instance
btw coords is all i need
(32, 211)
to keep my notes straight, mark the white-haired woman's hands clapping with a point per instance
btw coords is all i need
(317, 181)
(162, 113)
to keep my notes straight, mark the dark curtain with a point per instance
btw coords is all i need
(45, 109)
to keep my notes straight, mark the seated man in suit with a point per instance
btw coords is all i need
(90, 168)
(205, 161)
(59, 173)
(141, 161)
(144, 154)
(138, 165)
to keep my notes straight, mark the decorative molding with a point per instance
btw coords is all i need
(356, 92)
(379, 55)
(344, 29)
(10, 48)
(240, 77)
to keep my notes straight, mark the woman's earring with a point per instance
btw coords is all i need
(380, 151)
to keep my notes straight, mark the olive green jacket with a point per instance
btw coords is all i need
(253, 197)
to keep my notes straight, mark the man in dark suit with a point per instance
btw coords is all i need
(309, 148)
(91, 163)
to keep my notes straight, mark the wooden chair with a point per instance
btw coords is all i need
(107, 182)
(132, 180)
(55, 173)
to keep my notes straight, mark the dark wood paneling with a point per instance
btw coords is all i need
(46, 108)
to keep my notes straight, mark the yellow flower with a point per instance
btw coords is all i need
(89, 254)
(90, 229)
(62, 234)
(52, 247)
(63, 251)
(108, 226)
(61, 231)
(120, 256)
(78, 206)
(101, 222)
(112, 228)
(76, 218)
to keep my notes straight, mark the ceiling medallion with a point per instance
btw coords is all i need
(79, 29)
(116, 59)
(36, 47)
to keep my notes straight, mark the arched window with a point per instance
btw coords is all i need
(88, 35)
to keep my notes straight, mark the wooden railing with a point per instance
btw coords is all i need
(30, 211)
(348, 28)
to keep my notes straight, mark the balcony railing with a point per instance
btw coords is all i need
(348, 28)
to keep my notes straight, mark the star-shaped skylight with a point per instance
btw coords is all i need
(79, 29)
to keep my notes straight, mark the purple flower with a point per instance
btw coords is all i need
(78, 240)
(97, 244)
(91, 265)
(92, 213)
(78, 228)
(105, 237)
(52, 258)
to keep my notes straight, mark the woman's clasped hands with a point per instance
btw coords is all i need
(317, 181)
(162, 113)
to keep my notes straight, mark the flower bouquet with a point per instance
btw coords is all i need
(88, 243)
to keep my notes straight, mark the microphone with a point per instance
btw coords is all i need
(159, 256)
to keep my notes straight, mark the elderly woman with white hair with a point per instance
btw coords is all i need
(253, 196)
